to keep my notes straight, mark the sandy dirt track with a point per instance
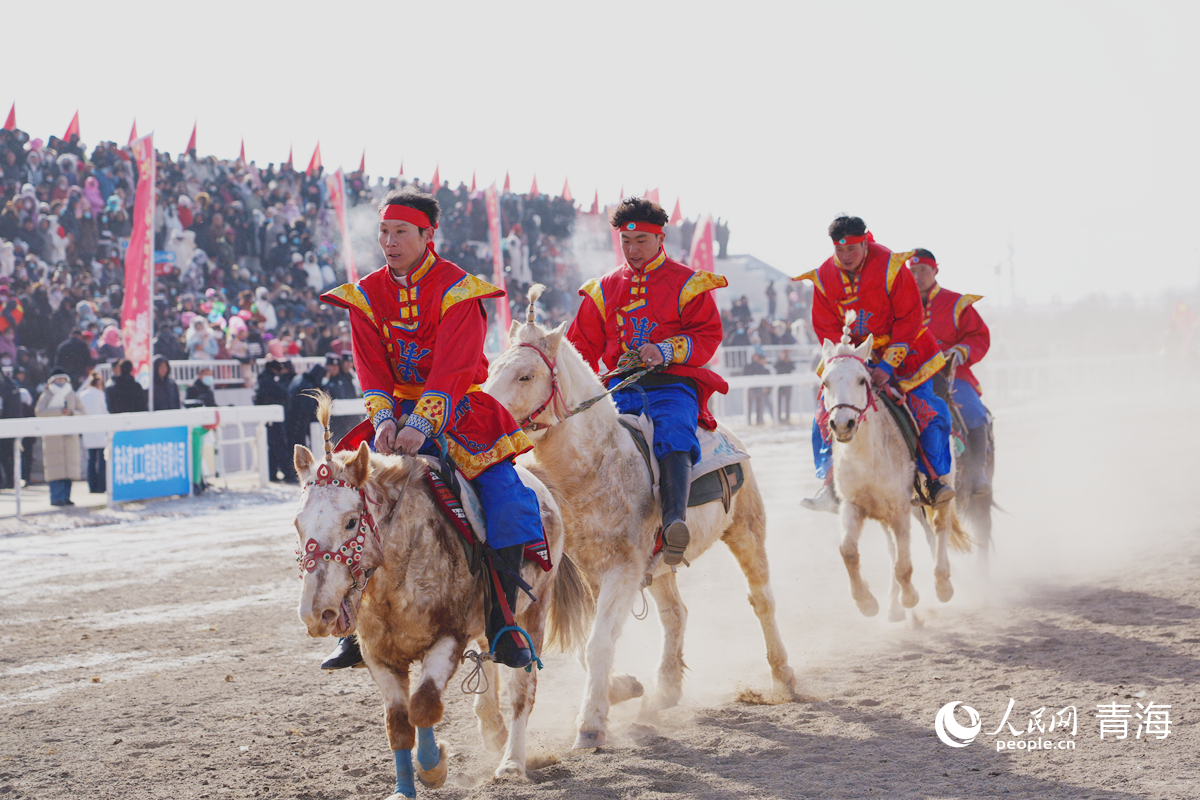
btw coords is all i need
(156, 653)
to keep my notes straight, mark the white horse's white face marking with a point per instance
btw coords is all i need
(847, 383)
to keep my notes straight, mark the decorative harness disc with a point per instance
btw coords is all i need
(351, 552)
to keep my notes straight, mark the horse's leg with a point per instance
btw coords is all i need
(523, 686)
(902, 568)
(613, 607)
(487, 709)
(895, 610)
(852, 524)
(746, 538)
(672, 613)
(425, 709)
(393, 684)
(943, 519)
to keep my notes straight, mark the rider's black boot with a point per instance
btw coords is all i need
(939, 493)
(975, 474)
(511, 649)
(674, 487)
(346, 654)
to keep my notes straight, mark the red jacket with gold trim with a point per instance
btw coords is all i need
(665, 303)
(424, 342)
(884, 295)
(954, 322)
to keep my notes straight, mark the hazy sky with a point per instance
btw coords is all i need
(1070, 127)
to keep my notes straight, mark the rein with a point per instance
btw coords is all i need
(556, 396)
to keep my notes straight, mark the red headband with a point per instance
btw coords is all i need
(866, 237)
(926, 260)
(641, 226)
(405, 214)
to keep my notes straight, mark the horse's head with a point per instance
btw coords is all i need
(533, 378)
(846, 386)
(337, 538)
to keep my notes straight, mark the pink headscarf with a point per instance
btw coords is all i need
(91, 193)
(111, 336)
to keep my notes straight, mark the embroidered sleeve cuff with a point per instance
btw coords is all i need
(682, 346)
(434, 408)
(895, 354)
(381, 416)
(964, 352)
(421, 424)
(667, 350)
(380, 405)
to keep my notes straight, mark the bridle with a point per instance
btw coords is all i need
(869, 405)
(351, 551)
(556, 396)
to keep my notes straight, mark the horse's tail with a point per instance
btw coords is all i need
(571, 609)
(960, 540)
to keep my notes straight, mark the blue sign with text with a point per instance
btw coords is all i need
(150, 463)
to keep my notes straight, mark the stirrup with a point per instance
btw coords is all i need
(676, 537)
(940, 494)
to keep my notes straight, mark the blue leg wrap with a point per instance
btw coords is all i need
(427, 749)
(405, 784)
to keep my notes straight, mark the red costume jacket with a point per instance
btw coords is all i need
(424, 342)
(665, 302)
(957, 326)
(884, 294)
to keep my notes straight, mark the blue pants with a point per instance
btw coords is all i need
(673, 409)
(970, 404)
(60, 490)
(935, 439)
(509, 506)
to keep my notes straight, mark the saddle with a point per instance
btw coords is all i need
(910, 433)
(718, 475)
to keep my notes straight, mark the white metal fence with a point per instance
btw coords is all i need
(226, 373)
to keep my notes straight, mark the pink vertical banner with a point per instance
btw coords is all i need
(616, 237)
(503, 314)
(701, 256)
(137, 311)
(337, 195)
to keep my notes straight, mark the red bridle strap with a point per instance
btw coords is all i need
(555, 393)
(862, 412)
(351, 551)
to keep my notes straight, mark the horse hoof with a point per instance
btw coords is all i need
(624, 687)
(945, 591)
(896, 614)
(909, 597)
(510, 771)
(589, 740)
(868, 605)
(436, 777)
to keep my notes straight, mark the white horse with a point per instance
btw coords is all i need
(595, 471)
(873, 474)
(421, 603)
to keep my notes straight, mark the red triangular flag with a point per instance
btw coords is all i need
(472, 181)
(362, 163)
(595, 203)
(437, 177)
(133, 132)
(402, 168)
(72, 128)
(242, 152)
(621, 196)
(314, 163)
(652, 195)
(676, 215)
(192, 141)
(533, 192)
(11, 123)
(566, 195)
(507, 185)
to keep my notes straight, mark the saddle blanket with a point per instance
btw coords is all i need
(717, 451)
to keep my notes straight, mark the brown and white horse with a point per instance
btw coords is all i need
(405, 587)
(602, 486)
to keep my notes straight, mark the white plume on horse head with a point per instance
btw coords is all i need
(535, 294)
(851, 316)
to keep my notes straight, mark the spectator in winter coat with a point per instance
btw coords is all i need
(125, 395)
(110, 348)
(74, 355)
(94, 402)
(271, 392)
(60, 454)
(166, 391)
(201, 391)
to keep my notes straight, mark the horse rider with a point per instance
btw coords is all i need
(666, 312)
(961, 334)
(417, 329)
(869, 279)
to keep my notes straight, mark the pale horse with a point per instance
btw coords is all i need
(406, 588)
(873, 474)
(596, 472)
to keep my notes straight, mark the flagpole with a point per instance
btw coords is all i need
(150, 327)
